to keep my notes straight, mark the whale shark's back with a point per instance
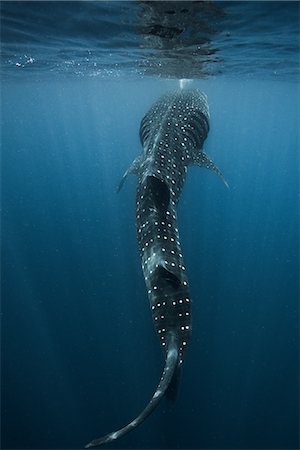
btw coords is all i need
(185, 109)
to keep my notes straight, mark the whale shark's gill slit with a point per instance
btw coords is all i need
(144, 133)
(159, 192)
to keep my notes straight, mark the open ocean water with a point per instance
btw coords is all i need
(79, 354)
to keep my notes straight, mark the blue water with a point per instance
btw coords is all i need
(79, 355)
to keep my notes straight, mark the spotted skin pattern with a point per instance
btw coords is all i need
(172, 135)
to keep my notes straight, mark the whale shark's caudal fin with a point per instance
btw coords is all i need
(171, 366)
(172, 391)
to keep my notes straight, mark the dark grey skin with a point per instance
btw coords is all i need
(172, 134)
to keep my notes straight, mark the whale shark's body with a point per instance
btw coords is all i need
(172, 134)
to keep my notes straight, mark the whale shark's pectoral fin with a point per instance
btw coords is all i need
(133, 169)
(203, 160)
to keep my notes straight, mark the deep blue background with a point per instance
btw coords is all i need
(79, 356)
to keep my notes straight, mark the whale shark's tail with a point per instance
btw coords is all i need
(171, 366)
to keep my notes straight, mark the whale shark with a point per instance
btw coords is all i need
(172, 134)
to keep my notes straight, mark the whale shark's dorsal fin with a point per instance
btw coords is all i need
(171, 366)
(203, 160)
(133, 169)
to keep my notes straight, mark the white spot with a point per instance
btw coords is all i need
(114, 435)
(158, 392)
